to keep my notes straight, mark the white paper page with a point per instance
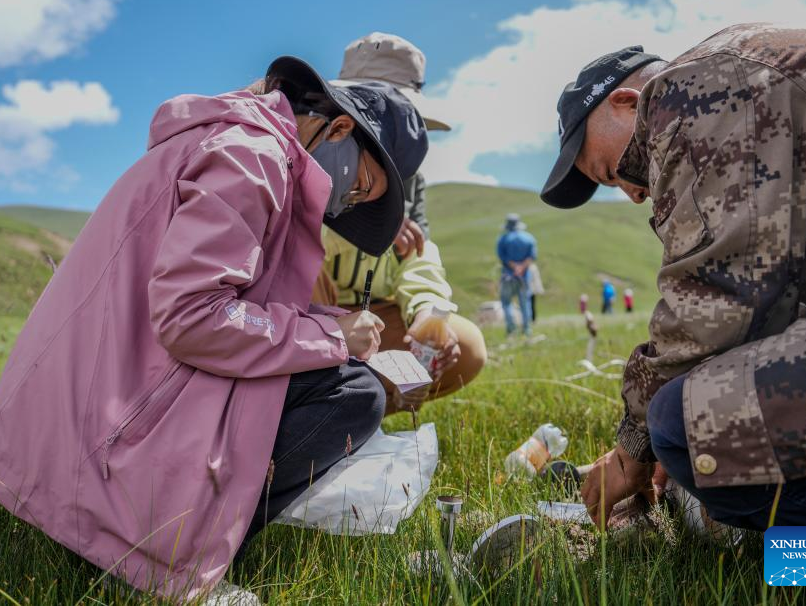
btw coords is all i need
(401, 368)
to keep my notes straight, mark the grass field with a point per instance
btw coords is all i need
(523, 386)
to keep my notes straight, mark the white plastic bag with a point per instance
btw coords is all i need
(575, 513)
(364, 493)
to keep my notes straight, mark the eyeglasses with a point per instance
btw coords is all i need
(314, 114)
(356, 196)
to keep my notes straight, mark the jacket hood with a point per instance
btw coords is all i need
(268, 112)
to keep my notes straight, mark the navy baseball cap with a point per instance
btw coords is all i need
(394, 133)
(567, 186)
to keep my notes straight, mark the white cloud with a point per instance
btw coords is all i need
(59, 106)
(35, 30)
(39, 30)
(31, 111)
(505, 101)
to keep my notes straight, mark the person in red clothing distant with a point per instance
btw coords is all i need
(628, 300)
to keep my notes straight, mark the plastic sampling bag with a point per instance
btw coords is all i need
(372, 490)
(574, 513)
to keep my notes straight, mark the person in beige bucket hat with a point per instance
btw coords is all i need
(392, 59)
(409, 278)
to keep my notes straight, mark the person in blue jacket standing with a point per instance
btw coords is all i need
(608, 296)
(517, 250)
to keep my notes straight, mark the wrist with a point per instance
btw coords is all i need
(634, 441)
(414, 314)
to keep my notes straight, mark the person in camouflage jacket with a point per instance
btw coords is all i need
(717, 140)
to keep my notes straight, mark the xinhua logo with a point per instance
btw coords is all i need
(785, 555)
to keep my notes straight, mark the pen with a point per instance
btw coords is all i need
(367, 291)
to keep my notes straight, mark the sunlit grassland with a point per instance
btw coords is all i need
(523, 387)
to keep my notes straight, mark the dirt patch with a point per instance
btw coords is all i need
(61, 243)
(58, 245)
(26, 244)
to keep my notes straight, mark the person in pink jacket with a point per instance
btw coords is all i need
(173, 374)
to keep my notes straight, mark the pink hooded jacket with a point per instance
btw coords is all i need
(139, 408)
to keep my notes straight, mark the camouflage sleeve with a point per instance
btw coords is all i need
(694, 146)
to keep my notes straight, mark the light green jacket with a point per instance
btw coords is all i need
(413, 283)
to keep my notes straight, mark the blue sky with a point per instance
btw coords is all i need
(494, 70)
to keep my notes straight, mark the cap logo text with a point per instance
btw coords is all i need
(597, 89)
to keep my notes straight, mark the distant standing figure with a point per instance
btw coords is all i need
(535, 288)
(583, 303)
(535, 282)
(517, 250)
(608, 296)
(628, 300)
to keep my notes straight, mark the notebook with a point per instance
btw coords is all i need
(401, 368)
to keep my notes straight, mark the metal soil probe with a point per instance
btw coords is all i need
(448, 507)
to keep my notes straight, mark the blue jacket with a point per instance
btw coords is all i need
(516, 246)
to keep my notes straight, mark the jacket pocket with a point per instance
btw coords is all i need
(147, 412)
(677, 219)
(684, 233)
(658, 149)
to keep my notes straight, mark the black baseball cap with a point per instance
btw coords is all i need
(393, 132)
(567, 186)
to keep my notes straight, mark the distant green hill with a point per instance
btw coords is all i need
(26, 252)
(576, 248)
(66, 223)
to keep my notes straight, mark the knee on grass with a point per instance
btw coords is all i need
(474, 352)
(473, 355)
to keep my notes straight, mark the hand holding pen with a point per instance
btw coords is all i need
(362, 329)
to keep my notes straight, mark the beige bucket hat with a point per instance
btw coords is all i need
(391, 59)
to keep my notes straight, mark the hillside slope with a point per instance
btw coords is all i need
(576, 248)
(25, 268)
(66, 223)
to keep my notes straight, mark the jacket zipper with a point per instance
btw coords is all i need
(130, 419)
(336, 262)
(358, 260)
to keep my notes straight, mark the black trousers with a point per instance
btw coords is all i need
(322, 408)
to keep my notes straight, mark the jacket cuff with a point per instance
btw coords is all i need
(634, 439)
(332, 329)
(423, 300)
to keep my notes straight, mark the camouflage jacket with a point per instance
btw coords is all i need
(720, 142)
